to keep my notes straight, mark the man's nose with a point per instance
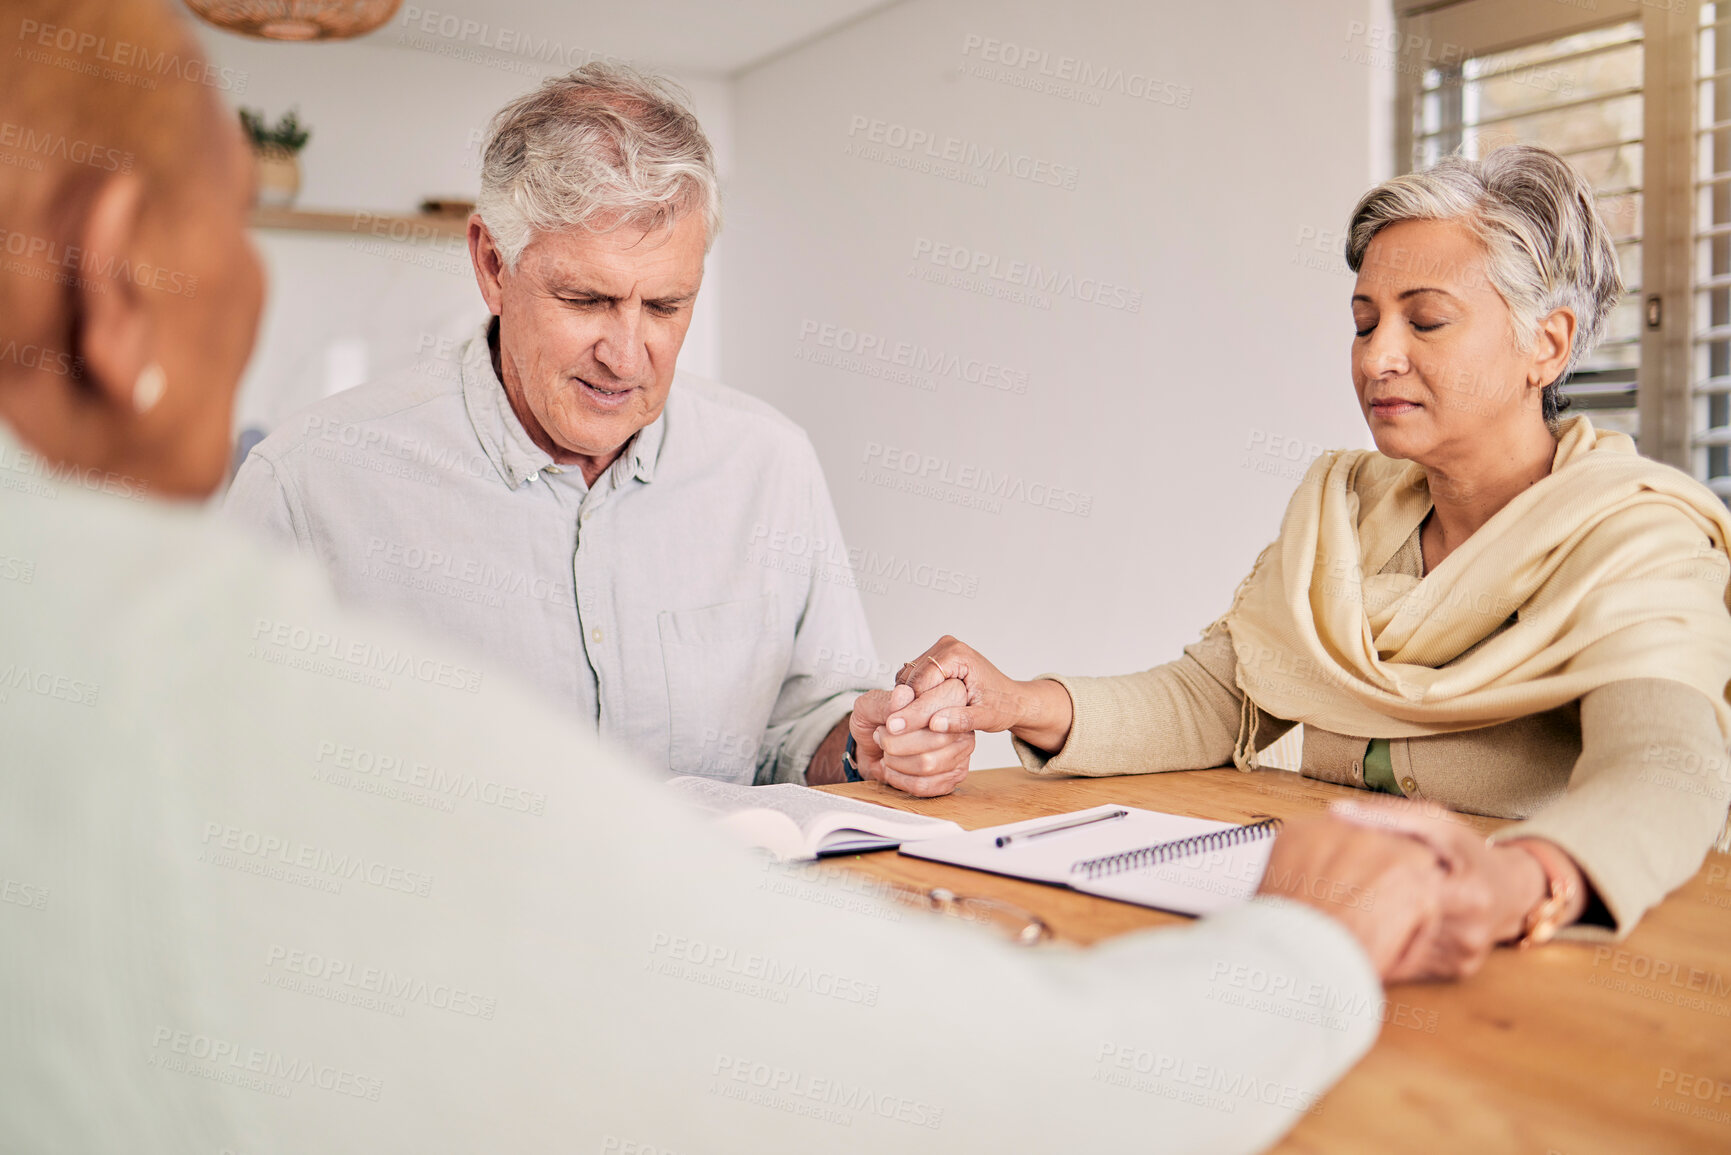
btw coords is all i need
(621, 344)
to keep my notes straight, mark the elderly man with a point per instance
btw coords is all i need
(637, 542)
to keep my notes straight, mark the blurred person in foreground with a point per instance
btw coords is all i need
(1500, 610)
(227, 927)
(645, 546)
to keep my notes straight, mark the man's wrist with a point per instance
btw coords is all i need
(825, 767)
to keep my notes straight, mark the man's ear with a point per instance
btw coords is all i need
(1551, 347)
(114, 334)
(489, 264)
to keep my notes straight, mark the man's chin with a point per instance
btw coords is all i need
(600, 434)
(597, 437)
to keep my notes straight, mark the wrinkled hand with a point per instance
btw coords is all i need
(1038, 712)
(1486, 892)
(913, 759)
(1385, 888)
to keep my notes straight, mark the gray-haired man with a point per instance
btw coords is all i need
(638, 544)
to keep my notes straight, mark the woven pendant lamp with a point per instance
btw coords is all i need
(295, 19)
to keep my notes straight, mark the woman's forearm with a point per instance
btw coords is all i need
(1044, 714)
(1645, 799)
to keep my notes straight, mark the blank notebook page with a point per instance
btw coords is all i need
(1201, 883)
(1207, 881)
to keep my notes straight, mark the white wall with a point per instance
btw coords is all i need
(394, 119)
(1182, 424)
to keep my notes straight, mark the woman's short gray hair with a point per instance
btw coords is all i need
(1546, 247)
(598, 148)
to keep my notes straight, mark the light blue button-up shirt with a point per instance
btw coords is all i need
(683, 604)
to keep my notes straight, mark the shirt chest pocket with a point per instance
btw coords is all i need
(725, 664)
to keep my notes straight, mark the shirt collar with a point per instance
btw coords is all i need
(502, 436)
(644, 449)
(508, 445)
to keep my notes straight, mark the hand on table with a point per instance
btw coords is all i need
(1486, 892)
(1385, 888)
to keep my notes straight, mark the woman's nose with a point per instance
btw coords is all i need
(1384, 355)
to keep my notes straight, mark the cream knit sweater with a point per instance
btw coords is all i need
(1632, 780)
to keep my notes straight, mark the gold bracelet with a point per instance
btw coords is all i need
(1547, 918)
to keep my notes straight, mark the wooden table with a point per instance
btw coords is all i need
(1575, 1047)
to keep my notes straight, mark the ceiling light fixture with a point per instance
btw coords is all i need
(295, 19)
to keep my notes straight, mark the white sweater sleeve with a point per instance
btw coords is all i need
(303, 888)
(259, 502)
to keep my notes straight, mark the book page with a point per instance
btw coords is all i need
(766, 830)
(713, 797)
(816, 813)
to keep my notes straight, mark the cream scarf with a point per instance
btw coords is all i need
(1615, 565)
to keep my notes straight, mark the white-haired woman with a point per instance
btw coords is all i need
(1499, 610)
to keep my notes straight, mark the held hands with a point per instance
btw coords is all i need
(1386, 889)
(918, 737)
(992, 701)
(1487, 891)
(918, 761)
(1419, 888)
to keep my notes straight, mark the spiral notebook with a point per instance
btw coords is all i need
(1167, 861)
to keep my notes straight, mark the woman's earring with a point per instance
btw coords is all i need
(152, 383)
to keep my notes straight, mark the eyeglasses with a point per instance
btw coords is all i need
(1022, 927)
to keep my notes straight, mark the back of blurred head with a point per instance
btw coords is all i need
(129, 291)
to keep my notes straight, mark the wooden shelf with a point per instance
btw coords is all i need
(408, 228)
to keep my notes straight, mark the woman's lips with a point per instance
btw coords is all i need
(1393, 407)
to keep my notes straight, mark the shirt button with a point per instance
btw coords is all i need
(1409, 784)
(595, 634)
(553, 469)
(533, 478)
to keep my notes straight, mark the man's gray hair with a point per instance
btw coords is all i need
(1546, 247)
(599, 148)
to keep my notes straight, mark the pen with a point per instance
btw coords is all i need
(1021, 835)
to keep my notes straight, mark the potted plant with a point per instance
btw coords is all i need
(277, 151)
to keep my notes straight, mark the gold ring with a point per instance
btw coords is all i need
(939, 665)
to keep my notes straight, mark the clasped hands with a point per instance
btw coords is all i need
(1423, 893)
(919, 736)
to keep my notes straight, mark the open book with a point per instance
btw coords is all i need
(1167, 861)
(796, 822)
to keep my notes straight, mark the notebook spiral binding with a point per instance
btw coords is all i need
(1162, 852)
